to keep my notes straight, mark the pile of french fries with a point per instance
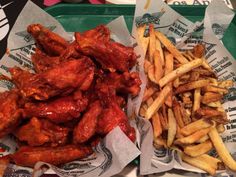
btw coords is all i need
(183, 102)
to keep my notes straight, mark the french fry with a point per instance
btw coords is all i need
(143, 110)
(195, 126)
(194, 76)
(149, 101)
(220, 128)
(201, 162)
(193, 137)
(185, 115)
(178, 115)
(148, 93)
(172, 49)
(151, 74)
(171, 128)
(197, 150)
(152, 42)
(226, 84)
(159, 142)
(147, 64)
(179, 72)
(221, 149)
(156, 122)
(176, 82)
(159, 72)
(211, 88)
(216, 104)
(203, 139)
(159, 48)
(186, 55)
(206, 65)
(204, 72)
(143, 40)
(207, 113)
(169, 66)
(197, 99)
(158, 102)
(164, 118)
(191, 86)
(199, 51)
(209, 97)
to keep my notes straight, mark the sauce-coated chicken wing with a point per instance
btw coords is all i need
(59, 110)
(62, 79)
(50, 42)
(10, 113)
(29, 156)
(39, 132)
(86, 127)
(111, 55)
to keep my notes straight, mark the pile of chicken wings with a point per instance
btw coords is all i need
(75, 97)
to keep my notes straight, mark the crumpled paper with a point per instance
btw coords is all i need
(113, 153)
(185, 35)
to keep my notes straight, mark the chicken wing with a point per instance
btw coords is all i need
(10, 113)
(29, 156)
(101, 32)
(111, 117)
(59, 110)
(50, 42)
(111, 55)
(127, 83)
(39, 132)
(86, 127)
(62, 79)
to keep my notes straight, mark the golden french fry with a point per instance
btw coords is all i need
(176, 82)
(211, 88)
(208, 113)
(144, 41)
(197, 99)
(213, 81)
(193, 137)
(226, 84)
(159, 72)
(206, 65)
(172, 127)
(164, 117)
(197, 150)
(191, 86)
(158, 102)
(204, 72)
(201, 162)
(221, 149)
(178, 115)
(203, 139)
(179, 71)
(156, 123)
(186, 115)
(149, 101)
(159, 48)
(169, 46)
(159, 142)
(195, 126)
(194, 76)
(148, 93)
(220, 128)
(216, 104)
(199, 51)
(147, 64)
(169, 66)
(186, 55)
(143, 110)
(152, 42)
(209, 97)
(151, 74)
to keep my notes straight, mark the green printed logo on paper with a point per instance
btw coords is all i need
(27, 37)
(231, 96)
(149, 18)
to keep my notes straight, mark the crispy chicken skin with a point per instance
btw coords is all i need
(62, 79)
(111, 55)
(58, 110)
(50, 42)
(39, 132)
(29, 156)
(101, 32)
(10, 113)
(86, 127)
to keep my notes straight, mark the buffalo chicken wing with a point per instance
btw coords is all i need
(42, 132)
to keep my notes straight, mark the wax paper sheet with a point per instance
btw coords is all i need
(185, 35)
(113, 153)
